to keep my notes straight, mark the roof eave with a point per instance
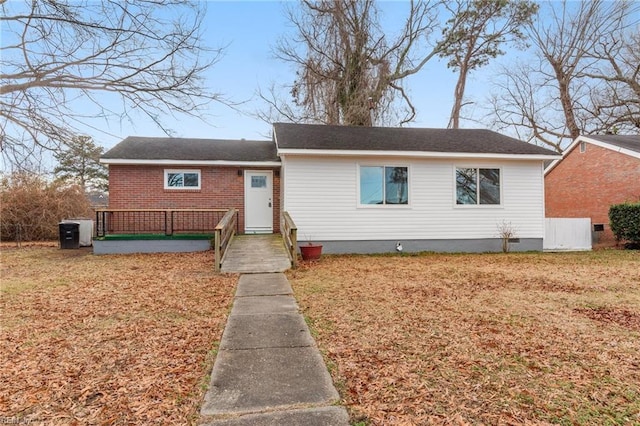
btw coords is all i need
(610, 146)
(592, 141)
(168, 162)
(416, 154)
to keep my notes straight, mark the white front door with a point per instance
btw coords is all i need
(258, 202)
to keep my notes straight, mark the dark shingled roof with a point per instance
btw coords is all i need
(630, 142)
(141, 148)
(473, 141)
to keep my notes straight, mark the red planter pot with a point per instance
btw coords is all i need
(311, 252)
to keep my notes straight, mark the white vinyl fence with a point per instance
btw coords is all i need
(567, 234)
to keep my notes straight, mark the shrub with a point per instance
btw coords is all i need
(625, 222)
(31, 207)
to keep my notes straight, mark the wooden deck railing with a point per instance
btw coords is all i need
(290, 237)
(224, 232)
(157, 221)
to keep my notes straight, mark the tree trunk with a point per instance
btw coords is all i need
(454, 120)
(565, 100)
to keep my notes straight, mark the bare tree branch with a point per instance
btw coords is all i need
(585, 79)
(148, 53)
(348, 71)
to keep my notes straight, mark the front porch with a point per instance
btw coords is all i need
(122, 231)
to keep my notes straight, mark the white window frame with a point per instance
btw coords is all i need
(182, 188)
(477, 205)
(383, 205)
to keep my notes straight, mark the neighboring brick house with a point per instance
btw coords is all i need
(594, 173)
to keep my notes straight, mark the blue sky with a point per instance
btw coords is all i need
(251, 29)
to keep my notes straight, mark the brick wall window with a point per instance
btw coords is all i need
(182, 179)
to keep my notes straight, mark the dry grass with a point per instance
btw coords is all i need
(480, 339)
(107, 339)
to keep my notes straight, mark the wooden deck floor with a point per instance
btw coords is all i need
(256, 253)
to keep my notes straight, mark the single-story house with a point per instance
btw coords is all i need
(352, 189)
(594, 172)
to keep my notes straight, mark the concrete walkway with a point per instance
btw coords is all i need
(268, 370)
(256, 254)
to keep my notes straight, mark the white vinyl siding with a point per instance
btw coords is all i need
(321, 194)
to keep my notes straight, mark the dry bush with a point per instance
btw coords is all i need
(32, 207)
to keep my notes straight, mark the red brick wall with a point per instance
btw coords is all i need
(586, 184)
(142, 187)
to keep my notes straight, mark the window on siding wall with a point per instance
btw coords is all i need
(380, 185)
(182, 179)
(477, 186)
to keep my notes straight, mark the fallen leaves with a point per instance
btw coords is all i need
(479, 339)
(108, 339)
(621, 317)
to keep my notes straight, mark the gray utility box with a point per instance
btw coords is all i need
(86, 231)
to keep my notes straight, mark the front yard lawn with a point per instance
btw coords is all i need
(429, 339)
(480, 339)
(107, 339)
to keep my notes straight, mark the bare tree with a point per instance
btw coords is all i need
(476, 34)
(147, 55)
(616, 74)
(563, 93)
(348, 71)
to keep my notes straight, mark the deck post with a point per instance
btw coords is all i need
(216, 244)
(294, 247)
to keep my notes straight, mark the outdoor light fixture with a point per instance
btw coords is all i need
(239, 172)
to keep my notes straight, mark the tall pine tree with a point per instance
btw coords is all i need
(80, 163)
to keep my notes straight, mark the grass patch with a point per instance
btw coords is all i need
(114, 339)
(518, 338)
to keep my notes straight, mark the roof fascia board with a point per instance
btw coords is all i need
(609, 146)
(124, 161)
(417, 154)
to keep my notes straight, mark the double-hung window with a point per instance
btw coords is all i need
(182, 179)
(477, 186)
(384, 185)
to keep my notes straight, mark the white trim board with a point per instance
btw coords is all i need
(124, 161)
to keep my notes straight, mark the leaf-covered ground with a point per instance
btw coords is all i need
(480, 339)
(107, 339)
